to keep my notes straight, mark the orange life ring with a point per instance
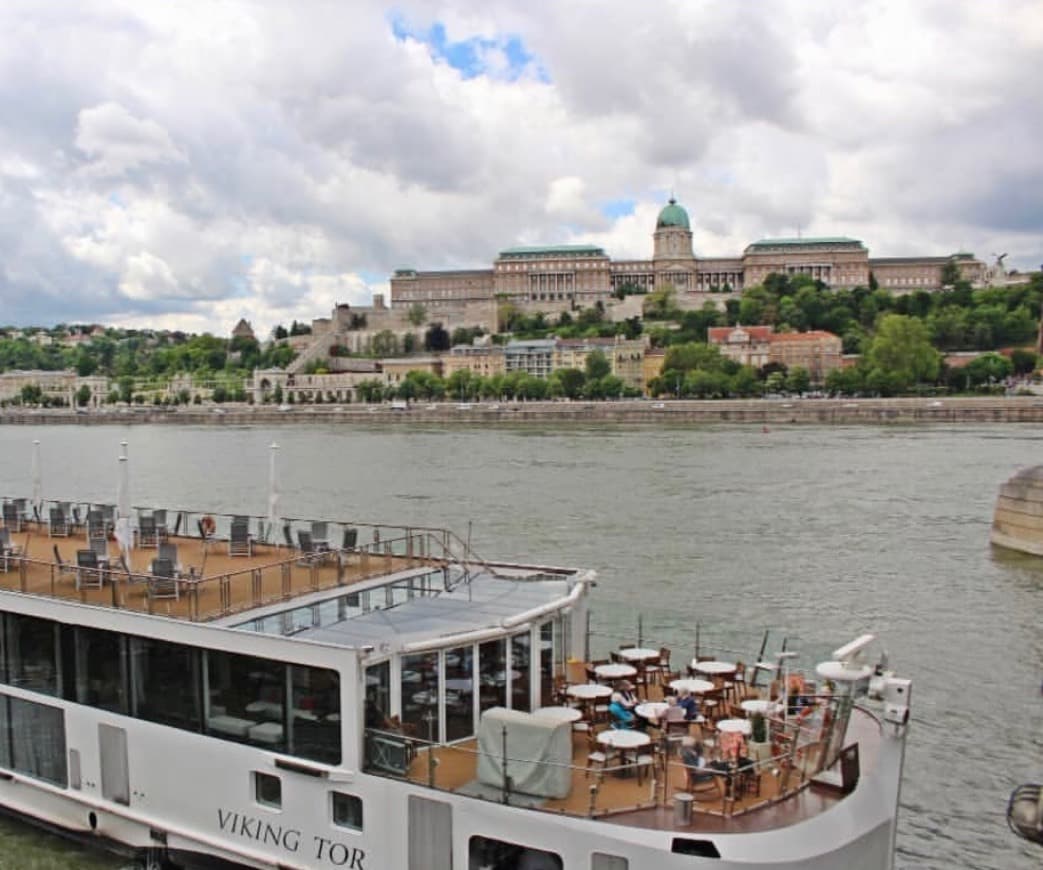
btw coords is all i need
(207, 525)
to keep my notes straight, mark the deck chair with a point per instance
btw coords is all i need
(8, 550)
(168, 551)
(57, 527)
(101, 548)
(320, 534)
(163, 583)
(351, 538)
(88, 575)
(306, 549)
(287, 534)
(160, 518)
(12, 519)
(239, 539)
(63, 566)
(147, 534)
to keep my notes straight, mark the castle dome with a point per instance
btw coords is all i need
(672, 215)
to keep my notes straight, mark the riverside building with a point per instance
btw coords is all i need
(555, 278)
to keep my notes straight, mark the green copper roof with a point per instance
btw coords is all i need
(552, 251)
(811, 240)
(672, 215)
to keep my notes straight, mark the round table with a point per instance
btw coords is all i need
(651, 710)
(638, 654)
(758, 705)
(735, 726)
(615, 671)
(559, 714)
(588, 691)
(624, 739)
(691, 684)
(714, 669)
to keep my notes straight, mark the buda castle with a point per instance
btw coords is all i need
(569, 277)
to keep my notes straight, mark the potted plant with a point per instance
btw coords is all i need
(760, 746)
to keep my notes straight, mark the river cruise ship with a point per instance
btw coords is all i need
(229, 691)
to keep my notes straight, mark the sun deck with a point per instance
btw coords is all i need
(211, 583)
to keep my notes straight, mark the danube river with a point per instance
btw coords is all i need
(821, 533)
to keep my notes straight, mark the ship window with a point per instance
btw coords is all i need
(487, 852)
(98, 677)
(268, 790)
(547, 663)
(378, 694)
(32, 658)
(347, 810)
(165, 683)
(492, 657)
(601, 861)
(315, 726)
(420, 694)
(459, 693)
(246, 698)
(520, 662)
(33, 739)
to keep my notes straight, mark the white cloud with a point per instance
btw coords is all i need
(195, 164)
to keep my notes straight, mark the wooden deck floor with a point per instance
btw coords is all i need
(647, 801)
(223, 584)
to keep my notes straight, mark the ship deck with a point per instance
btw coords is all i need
(781, 792)
(211, 583)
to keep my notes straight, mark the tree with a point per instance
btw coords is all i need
(571, 381)
(416, 314)
(902, 349)
(83, 396)
(798, 380)
(384, 343)
(1024, 361)
(989, 368)
(436, 338)
(661, 304)
(597, 365)
(409, 343)
(279, 332)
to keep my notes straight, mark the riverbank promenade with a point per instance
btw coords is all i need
(764, 412)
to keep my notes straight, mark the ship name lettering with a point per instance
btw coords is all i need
(254, 829)
(338, 854)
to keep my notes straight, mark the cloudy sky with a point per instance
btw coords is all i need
(184, 164)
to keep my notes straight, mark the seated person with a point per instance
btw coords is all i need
(626, 692)
(694, 760)
(688, 703)
(673, 713)
(622, 718)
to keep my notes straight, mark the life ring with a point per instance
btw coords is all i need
(207, 525)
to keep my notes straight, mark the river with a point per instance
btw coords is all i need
(821, 533)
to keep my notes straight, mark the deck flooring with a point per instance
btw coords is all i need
(224, 584)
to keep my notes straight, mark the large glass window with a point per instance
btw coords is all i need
(347, 810)
(492, 668)
(33, 739)
(420, 695)
(165, 679)
(378, 695)
(520, 662)
(246, 699)
(94, 668)
(459, 693)
(315, 723)
(32, 653)
(547, 663)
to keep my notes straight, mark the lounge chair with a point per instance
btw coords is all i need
(168, 551)
(8, 550)
(308, 550)
(63, 566)
(12, 519)
(239, 543)
(148, 536)
(163, 582)
(88, 574)
(101, 549)
(57, 527)
(287, 534)
(320, 534)
(351, 538)
(160, 519)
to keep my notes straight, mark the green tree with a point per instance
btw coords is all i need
(384, 343)
(798, 380)
(988, 369)
(902, 349)
(83, 396)
(1024, 361)
(571, 381)
(436, 338)
(597, 366)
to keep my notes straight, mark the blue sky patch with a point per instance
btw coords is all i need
(475, 56)
(616, 208)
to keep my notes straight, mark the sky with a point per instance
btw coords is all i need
(182, 165)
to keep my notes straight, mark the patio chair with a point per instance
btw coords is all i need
(320, 534)
(351, 538)
(163, 581)
(239, 538)
(168, 551)
(101, 548)
(160, 518)
(287, 534)
(57, 527)
(8, 550)
(12, 519)
(308, 551)
(88, 575)
(63, 566)
(147, 534)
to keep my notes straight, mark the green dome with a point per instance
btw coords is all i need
(672, 215)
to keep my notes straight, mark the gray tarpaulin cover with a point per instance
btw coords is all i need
(539, 752)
